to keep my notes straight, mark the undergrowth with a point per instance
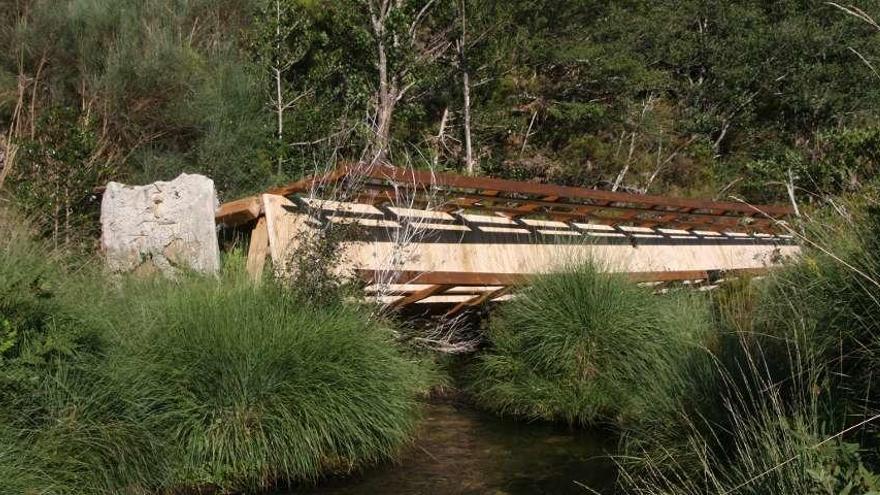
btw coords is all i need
(119, 385)
(795, 408)
(582, 346)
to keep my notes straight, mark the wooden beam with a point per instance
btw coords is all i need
(239, 212)
(257, 250)
(455, 291)
(477, 300)
(307, 183)
(464, 279)
(402, 176)
(425, 293)
(443, 278)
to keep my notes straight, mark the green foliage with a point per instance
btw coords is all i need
(254, 386)
(840, 161)
(153, 78)
(578, 346)
(37, 324)
(706, 96)
(198, 383)
(315, 262)
(843, 472)
(794, 370)
(769, 451)
(55, 174)
(278, 40)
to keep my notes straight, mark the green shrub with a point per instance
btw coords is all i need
(583, 346)
(794, 368)
(38, 321)
(140, 386)
(249, 386)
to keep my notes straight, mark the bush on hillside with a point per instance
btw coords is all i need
(38, 324)
(583, 346)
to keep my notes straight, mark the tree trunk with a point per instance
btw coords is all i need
(468, 150)
(279, 111)
(466, 90)
(622, 174)
(279, 101)
(440, 133)
(385, 102)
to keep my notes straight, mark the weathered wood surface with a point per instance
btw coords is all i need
(258, 249)
(443, 251)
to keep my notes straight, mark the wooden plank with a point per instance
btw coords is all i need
(442, 277)
(419, 295)
(239, 212)
(257, 251)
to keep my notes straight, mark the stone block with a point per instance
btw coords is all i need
(161, 227)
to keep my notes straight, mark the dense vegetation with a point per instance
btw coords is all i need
(769, 392)
(694, 97)
(798, 414)
(150, 385)
(119, 385)
(578, 345)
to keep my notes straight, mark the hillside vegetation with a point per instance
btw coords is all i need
(693, 97)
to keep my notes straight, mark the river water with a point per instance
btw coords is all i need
(462, 451)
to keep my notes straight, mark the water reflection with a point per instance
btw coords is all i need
(462, 451)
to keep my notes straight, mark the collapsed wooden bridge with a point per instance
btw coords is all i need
(462, 241)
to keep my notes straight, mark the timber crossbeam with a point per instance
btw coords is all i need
(420, 286)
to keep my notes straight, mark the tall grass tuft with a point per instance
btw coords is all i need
(582, 346)
(796, 410)
(117, 385)
(60, 430)
(248, 386)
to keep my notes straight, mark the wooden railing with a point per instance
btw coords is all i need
(380, 184)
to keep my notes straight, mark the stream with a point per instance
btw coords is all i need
(459, 450)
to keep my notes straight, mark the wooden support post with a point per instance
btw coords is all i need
(239, 212)
(258, 249)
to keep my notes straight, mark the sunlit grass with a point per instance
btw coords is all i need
(582, 346)
(193, 383)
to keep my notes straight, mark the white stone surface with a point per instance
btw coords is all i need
(163, 226)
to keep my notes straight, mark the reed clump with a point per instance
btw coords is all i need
(583, 346)
(117, 385)
(795, 408)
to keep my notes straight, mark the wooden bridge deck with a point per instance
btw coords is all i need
(486, 236)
